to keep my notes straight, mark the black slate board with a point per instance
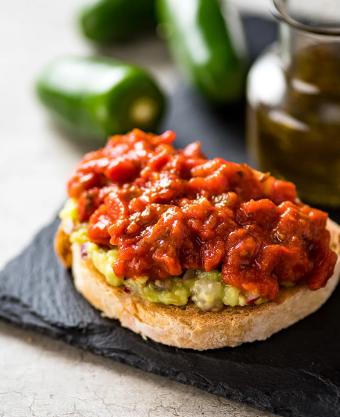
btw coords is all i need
(294, 373)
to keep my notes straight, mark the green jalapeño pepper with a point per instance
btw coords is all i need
(207, 42)
(106, 21)
(98, 97)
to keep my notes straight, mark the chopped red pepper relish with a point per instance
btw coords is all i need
(169, 210)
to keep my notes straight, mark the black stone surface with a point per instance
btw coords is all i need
(294, 373)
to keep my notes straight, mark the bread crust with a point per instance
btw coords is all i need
(62, 246)
(188, 326)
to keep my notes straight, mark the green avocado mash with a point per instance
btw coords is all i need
(69, 211)
(206, 289)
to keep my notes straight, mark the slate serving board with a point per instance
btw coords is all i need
(294, 373)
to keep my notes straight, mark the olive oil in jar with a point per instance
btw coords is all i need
(293, 126)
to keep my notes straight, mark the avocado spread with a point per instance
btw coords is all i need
(206, 289)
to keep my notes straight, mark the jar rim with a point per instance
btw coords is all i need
(278, 9)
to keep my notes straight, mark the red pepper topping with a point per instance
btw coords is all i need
(169, 210)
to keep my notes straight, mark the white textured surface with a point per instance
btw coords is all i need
(46, 377)
(52, 379)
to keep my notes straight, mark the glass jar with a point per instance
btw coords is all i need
(293, 92)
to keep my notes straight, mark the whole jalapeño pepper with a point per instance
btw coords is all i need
(207, 42)
(97, 97)
(105, 21)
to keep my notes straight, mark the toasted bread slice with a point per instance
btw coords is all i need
(188, 326)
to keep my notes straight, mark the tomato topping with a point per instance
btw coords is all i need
(98, 226)
(170, 210)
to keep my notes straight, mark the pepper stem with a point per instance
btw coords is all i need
(143, 110)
